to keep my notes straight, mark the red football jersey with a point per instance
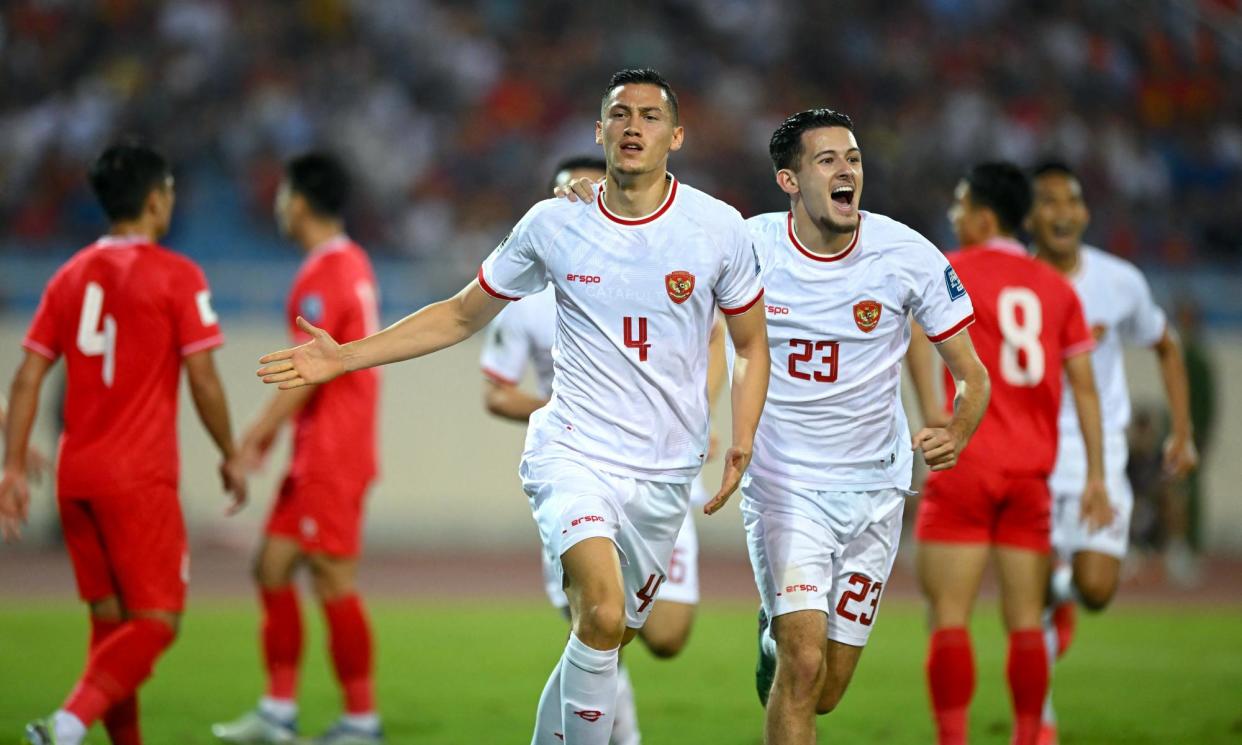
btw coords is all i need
(123, 312)
(1028, 319)
(335, 433)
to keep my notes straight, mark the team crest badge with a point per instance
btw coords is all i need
(867, 315)
(680, 284)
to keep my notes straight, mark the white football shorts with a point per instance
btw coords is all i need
(572, 500)
(830, 551)
(1069, 533)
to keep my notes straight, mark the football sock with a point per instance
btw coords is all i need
(1063, 620)
(363, 722)
(588, 692)
(1051, 639)
(548, 730)
(282, 641)
(951, 678)
(117, 667)
(349, 635)
(68, 728)
(625, 722)
(283, 710)
(1061, 587)
(1027, 671)
(120, 721)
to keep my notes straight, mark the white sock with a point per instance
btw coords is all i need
(69, 729)
(769, 642)
(588, 692)
(548, 730)
(369, 722)
(1051, 641)
(625, 722)
(280, 709)
(1061, 588)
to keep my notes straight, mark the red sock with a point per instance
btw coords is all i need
(117, 667)
(1063, 618)
(121, 721)
(282, 641)
(1028, 683)
(951, 677)
(349, 636)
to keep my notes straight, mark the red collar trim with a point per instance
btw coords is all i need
(793, 238)
(628, 221)
(1008, 245)
(122, 241)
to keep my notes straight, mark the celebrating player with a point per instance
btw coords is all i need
(1029, 326)
(317, 518)
(522, 335)
(126, 314)
(609, 460)
(1119, 309)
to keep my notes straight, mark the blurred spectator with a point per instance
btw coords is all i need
(451, 112)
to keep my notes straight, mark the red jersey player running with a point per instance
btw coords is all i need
(126, 314)
(317, 518)
(1028, 327)
(609, 460)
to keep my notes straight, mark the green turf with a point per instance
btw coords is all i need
(471, 674)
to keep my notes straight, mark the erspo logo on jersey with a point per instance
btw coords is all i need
(680, 285)
(956, 290)
(586, 279)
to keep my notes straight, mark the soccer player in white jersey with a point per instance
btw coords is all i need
(1120, 310)
(522, 336)
(609, 460)
(823, 502)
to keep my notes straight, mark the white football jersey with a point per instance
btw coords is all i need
(522, 335)
(1119, 308)
(635, 302)
(838, 328)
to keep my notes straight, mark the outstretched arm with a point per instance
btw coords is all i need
(24, 399)
(749, 332)
(942, 446)
(428, 330)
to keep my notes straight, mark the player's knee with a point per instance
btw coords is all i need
(801, 668)
(167, 618)
(108, 609)
(665, 645)
(1095, 592)
(331, 579)
(828, 701)
(601, 625)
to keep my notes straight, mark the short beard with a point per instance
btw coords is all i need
(829, 226)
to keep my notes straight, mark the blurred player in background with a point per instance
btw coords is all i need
(1029, 326)
(1119, 308)
(522, 335)
(127, 315)
(317, 518)
(609, 460)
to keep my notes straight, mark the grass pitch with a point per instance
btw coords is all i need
(454, 674)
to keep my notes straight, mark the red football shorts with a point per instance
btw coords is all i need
(129, 545)
(323, 517)
(971, 504)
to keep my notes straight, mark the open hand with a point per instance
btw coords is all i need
(14, 505)
(735, 462)
(317, 361)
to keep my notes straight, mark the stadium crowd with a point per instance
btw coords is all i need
(451, 112)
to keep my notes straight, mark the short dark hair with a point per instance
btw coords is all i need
(321, 180)
(576, 162)
(1054, 167)
(1002, 188)
(124, 175)
(643, 75)
(785, 147)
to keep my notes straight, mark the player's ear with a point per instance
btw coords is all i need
(679, 136)
(788, 181)
(599, 133)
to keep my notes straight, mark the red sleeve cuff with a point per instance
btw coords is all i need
(496, 377)
(1081, 347)
(742, 308)
(488, 288)
(210, 342)
(957, 329)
